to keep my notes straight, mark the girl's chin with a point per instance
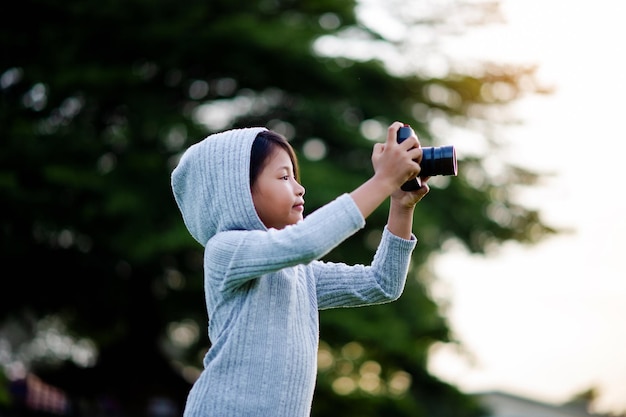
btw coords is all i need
(296, 219)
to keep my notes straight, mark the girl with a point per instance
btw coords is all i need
(240, 197)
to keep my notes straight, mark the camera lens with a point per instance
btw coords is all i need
(438, 161)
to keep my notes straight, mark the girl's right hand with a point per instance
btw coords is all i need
(395, 163)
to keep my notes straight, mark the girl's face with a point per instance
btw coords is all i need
(276, 194)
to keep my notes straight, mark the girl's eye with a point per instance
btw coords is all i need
(285, 177)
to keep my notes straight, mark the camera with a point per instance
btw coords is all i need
(435, 161)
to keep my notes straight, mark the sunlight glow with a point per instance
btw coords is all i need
(344, 385)
(50, 342)
(373, 130)
(10, 77)
(314, 149)
(184, 333)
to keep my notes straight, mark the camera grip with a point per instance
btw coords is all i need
(415, 184)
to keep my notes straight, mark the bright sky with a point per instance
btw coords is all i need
(548, 321)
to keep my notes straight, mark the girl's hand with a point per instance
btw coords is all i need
(400, 221)
(408, 199)
(395, 163)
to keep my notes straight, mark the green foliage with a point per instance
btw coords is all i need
(97, 100)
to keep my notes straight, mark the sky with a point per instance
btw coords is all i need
(548, 321)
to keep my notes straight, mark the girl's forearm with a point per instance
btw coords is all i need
(372, 194)
(400, 221)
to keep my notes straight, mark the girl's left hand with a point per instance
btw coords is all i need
(409, 199)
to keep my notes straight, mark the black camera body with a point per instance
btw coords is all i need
(435, 161)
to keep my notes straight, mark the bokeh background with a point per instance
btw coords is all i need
(101, 305)
(557, 306)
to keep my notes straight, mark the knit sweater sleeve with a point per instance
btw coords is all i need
(340, 285)
(235, 257)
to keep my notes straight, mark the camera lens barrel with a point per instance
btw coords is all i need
(438, 161)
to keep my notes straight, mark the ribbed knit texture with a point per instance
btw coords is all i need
(264, 288)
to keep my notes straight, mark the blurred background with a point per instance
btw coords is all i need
(560, 303)
(101, 305)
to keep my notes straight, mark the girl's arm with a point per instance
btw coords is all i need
(341, 285)
(400, 221)
(237, 256)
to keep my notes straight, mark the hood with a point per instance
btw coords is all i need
(211, 184)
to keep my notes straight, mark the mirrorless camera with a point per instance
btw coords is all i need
(435, 161)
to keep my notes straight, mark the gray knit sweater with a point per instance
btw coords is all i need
(264, 287)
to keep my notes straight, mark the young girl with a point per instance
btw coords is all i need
(240, 197)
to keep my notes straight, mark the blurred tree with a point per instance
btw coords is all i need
(103, 284)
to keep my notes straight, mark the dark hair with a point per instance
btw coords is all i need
(264, 144)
